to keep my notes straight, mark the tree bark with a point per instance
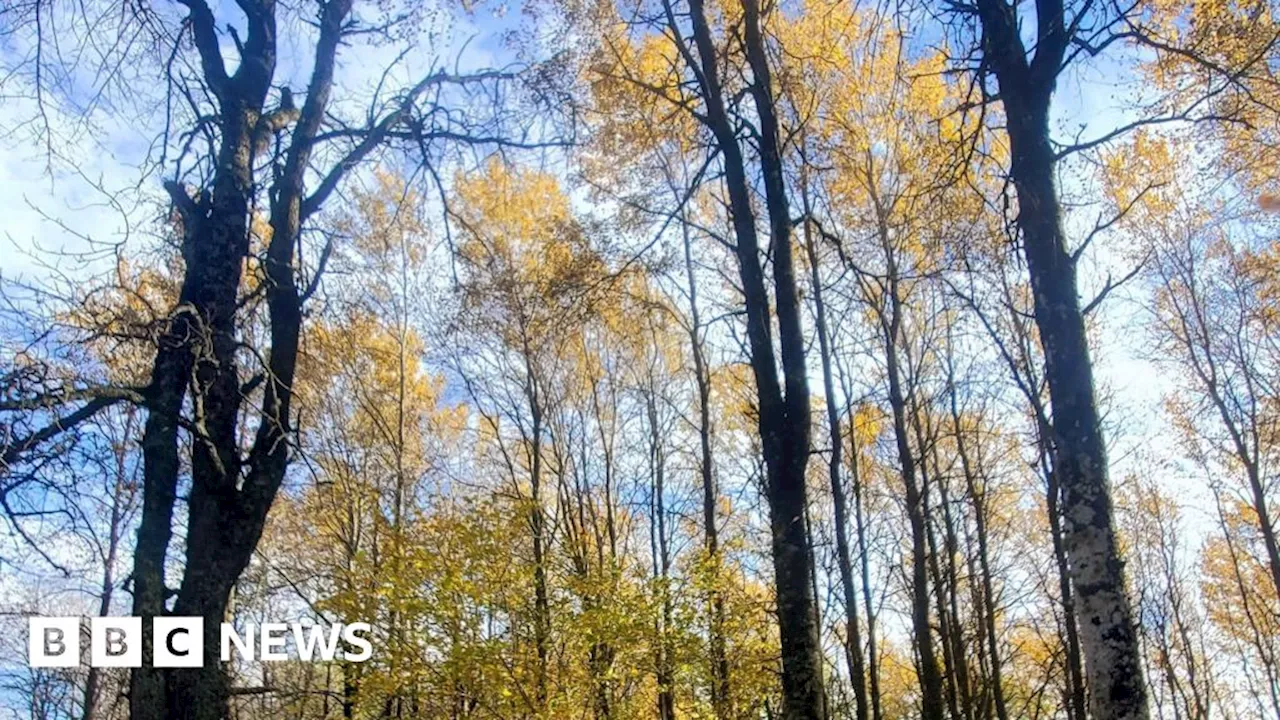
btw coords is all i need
(783, 422)
(932, 703)
(1109, 638)
(230, 494)
(959, 651)
(864, 560)
(926, 448)
(873, 658)
(537, 528)
(1077, 700)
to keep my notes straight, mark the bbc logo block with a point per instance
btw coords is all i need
(54, 642)
(179, 642)
(115, 642)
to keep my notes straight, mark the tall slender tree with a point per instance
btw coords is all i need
(783, 402)
(1026, 82)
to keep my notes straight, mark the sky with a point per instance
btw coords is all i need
(93, 187)
(51, 208)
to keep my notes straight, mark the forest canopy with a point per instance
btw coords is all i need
(672, 359)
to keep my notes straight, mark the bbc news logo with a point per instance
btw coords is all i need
(54, 642)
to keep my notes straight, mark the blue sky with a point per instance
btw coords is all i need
(1090, 101)
(1092, 98)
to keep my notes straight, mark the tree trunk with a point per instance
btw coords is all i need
(930, 677)
(958, 649)
(720, 695)
(1109, 639)
(873, 657)
(853, 642)
(160, 487)
(946, 632)
(230, 494)
(537, 528)
(783, 421)
(1108, 635)
(864, 560)
(932, 701)
(978, 498)
(1076, 694)
(665, 674)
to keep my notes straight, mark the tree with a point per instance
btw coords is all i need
(1183, 676)
(544, 419)
(783, 399)
(238, 186)
(1214, 320)
(529, 273)
(1026, 83)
